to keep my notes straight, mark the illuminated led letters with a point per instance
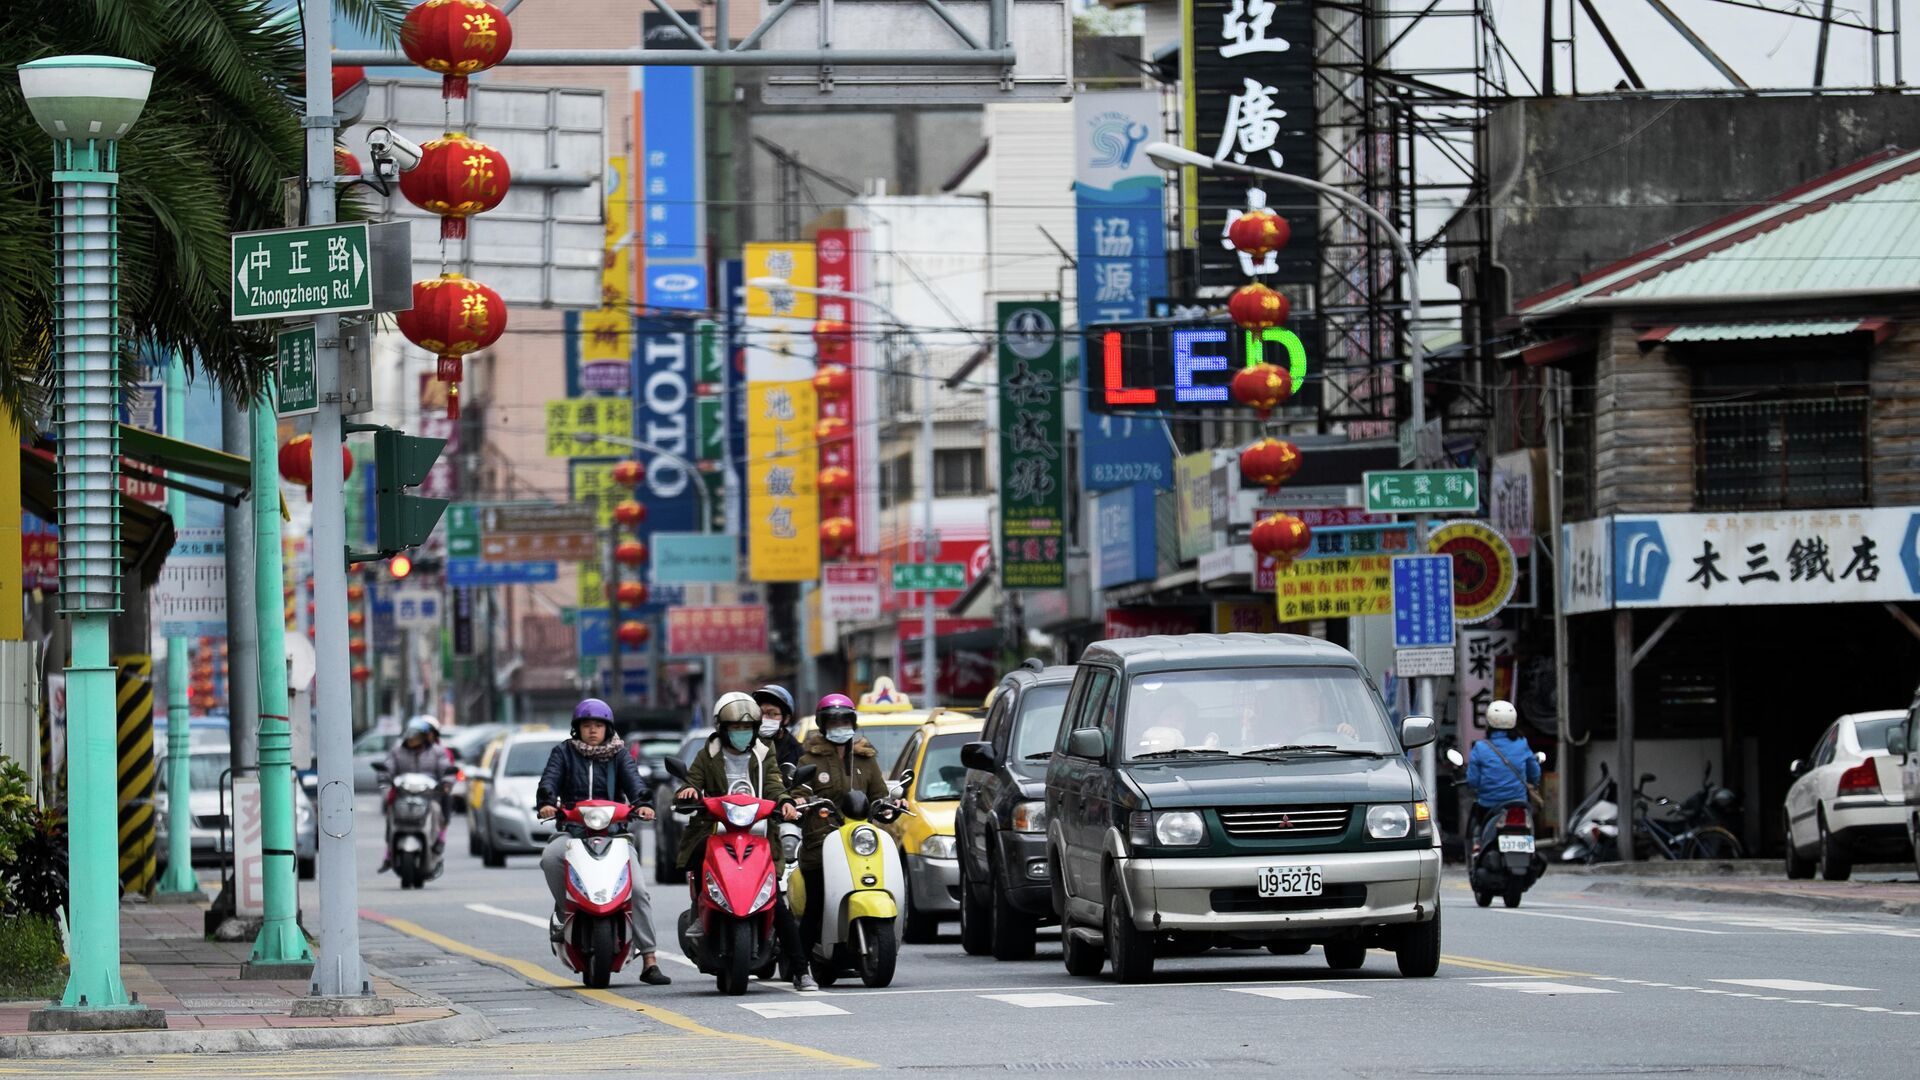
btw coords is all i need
(1117, 392)
(1185, 363)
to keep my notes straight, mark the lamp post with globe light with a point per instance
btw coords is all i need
(86, 104)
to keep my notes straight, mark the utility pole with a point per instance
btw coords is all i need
(178, 883)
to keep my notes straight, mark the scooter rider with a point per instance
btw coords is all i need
(416, 753)
(1501, 767)
(594, 764)
(847, 762)
(776, 722)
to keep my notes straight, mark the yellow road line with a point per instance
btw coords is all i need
(1504, 968)
(607, 997)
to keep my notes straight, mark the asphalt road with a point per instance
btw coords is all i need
(1568, 985)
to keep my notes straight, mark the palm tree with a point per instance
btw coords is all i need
(220, 131)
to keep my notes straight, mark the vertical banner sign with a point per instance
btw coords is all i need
(673, 225)
(710, 415)
(1118, 199)
(1253, 103)
(1032, 440)
(600, 342)
(734, 276)
(783, 501)
(834, 260)
(663, 409)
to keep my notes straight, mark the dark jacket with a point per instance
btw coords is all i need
(428, 759)
(1494, 784)
(786, 747)
(571, 777)
(708, 776)
(853, 767)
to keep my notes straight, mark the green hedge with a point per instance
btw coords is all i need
(32, 964)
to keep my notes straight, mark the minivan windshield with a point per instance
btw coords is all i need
(1258, 711)
(1039, 723)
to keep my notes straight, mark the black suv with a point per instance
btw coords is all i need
(1237, 789)
(1002, 822)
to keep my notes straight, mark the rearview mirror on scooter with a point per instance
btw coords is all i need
(1454, 757)
(786, 772)
(676, 768)
(803, 776)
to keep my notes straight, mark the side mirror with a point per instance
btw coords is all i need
(1416, 731)
(979, 755)
(676, 768)
(1087, 742)
(1897, 742)
(1795, 768)
(380, 767)
(804, 776)
(905, 779)
(786, 772)
(1647, 778)
(1540, 756)
(1453, 756)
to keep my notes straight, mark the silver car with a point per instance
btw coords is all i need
(506, 823)
(212, 829)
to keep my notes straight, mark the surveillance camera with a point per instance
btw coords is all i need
(392, 154)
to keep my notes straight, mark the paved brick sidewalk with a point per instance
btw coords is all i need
(1897, 897)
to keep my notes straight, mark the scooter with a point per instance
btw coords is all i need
(1595, 833)
(865, 890)
(413, 824)
(1507, 864)
(597, 934)
(728, 929)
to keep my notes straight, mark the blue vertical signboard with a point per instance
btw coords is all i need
(663, 408)
(672, 224)
(1119, 199)
(1422, 601)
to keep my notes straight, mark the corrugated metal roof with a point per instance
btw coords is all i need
(1760, 331)
(1866, 237)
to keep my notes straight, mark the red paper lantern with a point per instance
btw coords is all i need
(346, 77)
(1256, 307)
(833, 381)
(830, 333)
(630, 594)
(361, 672)
(1269, 463)
(356, 619)
(634, 633)
(1258, 233)
(836, 533)
(1262, 388)
(357, 646)
(630, 553)
(831, 429)
(296, 462)
(456, 177)
(629, 513)
(1281, 537)
(355, 593)
(309, 608)
(629, 473)
(344, 163)
(456, 38)
(451, 317)
(836, 480)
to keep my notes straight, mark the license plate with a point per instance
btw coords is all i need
(1288, 881)
(1517, 843)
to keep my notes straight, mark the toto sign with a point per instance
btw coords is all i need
(663, 417)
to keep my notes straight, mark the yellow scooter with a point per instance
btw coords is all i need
(865, 887)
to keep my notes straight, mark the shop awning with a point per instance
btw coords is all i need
(1771, 330)
(146, 532)
(189, 459)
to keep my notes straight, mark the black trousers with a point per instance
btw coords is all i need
(815, 882)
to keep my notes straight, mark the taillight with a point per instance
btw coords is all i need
(1862, 779)
(1516, 817)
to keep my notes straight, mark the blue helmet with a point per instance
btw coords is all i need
(771, 694)
(592, 709)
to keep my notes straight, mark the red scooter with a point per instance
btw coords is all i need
(728, 929)
(597, 932)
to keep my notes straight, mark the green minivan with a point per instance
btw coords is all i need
(1237, 790)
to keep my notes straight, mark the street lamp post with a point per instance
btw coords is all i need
(922, 463)
(1168, 156)
(178, 883)
(86, 103)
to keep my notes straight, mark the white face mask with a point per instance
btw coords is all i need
(839, 736)
(768, 728)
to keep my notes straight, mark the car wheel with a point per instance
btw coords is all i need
(1344, 955)
(1128, 948)
(1013, 929)
(1419, 950)
(1835, 864)
(976, 931)
(1799, 867)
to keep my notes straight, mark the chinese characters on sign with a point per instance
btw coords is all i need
(570, 417)
(1032, 447)
(1422, 601)
(1334, 588)
(190, 597)
(600, 341)
(295, 384)
(783, 506)
(699, 631)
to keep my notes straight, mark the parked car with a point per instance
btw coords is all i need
(367, 749)
(1237, 789)
(667, 825)
(1903, 742)
(1002, 822)
(475, 799)
(466, 744)
(925, 836)
(212, 829)
(507, 823)
(1847, 802)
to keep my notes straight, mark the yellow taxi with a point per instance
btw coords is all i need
(925, 836)
(888, 718)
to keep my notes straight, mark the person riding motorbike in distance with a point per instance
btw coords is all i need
(1501, 766)
(416, 752)
(847, 762)
(594, 764)
(776, 722)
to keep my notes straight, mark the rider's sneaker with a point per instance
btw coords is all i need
(653, 976)
(555, 928)
(804, 981)
(386, 864)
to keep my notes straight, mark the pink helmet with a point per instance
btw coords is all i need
(837, 706)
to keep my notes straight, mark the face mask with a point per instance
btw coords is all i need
(769, 728)
(739, 740)
(838, 736)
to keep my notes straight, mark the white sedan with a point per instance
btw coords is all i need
(1847, 802)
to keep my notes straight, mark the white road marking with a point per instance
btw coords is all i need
(1609, 922)
(784, 1010)
(1546, 988)
(503, 913)
(1781, 923)
(1296, 993)
(1798, 986)
(1042, 1001)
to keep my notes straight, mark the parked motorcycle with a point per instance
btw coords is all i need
(728, 929)
(597, 934)
(1501, 859)
(413, 824)
(1699, 827)
(1595, 833)
(864, 890)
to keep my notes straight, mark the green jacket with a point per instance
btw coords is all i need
(855, 766)
(709, 774)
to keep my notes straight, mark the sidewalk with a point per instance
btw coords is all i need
(169, 965)
(1876, 890)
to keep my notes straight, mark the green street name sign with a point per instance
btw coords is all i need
(1401, 491)
(297, 386)
(285, 273)
(934, 577)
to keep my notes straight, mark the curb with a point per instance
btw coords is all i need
(465, 1025)
(1660, 890)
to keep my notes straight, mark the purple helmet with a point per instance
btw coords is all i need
(592, 709)
(838, 706)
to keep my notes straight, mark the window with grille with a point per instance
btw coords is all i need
(896, 481)
(1780, 433)
(959, 472)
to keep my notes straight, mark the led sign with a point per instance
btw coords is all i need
(1175, 368)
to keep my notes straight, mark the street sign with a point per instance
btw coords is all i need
(416, 609)
(539, 518)
(695, 558)
(538, 547)
(1420, 444)
(1423, 663)
(1423, 602)
(937, 577)
(850, 592)
(467, 571)
(1440, 491)
(463, 531)
(287, 273)
(1309, 497)
(297, 388)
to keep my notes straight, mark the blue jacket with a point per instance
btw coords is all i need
(570, 777)
(1493, 783)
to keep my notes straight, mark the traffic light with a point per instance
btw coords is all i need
(401, 462)
(399, 566)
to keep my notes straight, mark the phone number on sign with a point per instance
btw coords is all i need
(1127, 473)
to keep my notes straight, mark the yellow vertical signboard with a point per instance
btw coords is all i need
(789, 262)
(783, 505)
(606, 333)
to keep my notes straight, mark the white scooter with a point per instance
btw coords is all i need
(597, 934)
(865, 890)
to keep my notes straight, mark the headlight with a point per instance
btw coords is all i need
(1179, 828)
(765, 894)
(742, 816)
(596, 818)
(1388, 822)
(938, 847)
(714, 894)
(1030, 817)
(865, 840)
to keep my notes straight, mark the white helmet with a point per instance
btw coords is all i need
(736, 708)
(1501, 716)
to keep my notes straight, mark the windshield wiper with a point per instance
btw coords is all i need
(1312, 748)
(1181, 750)
(1041, 756)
